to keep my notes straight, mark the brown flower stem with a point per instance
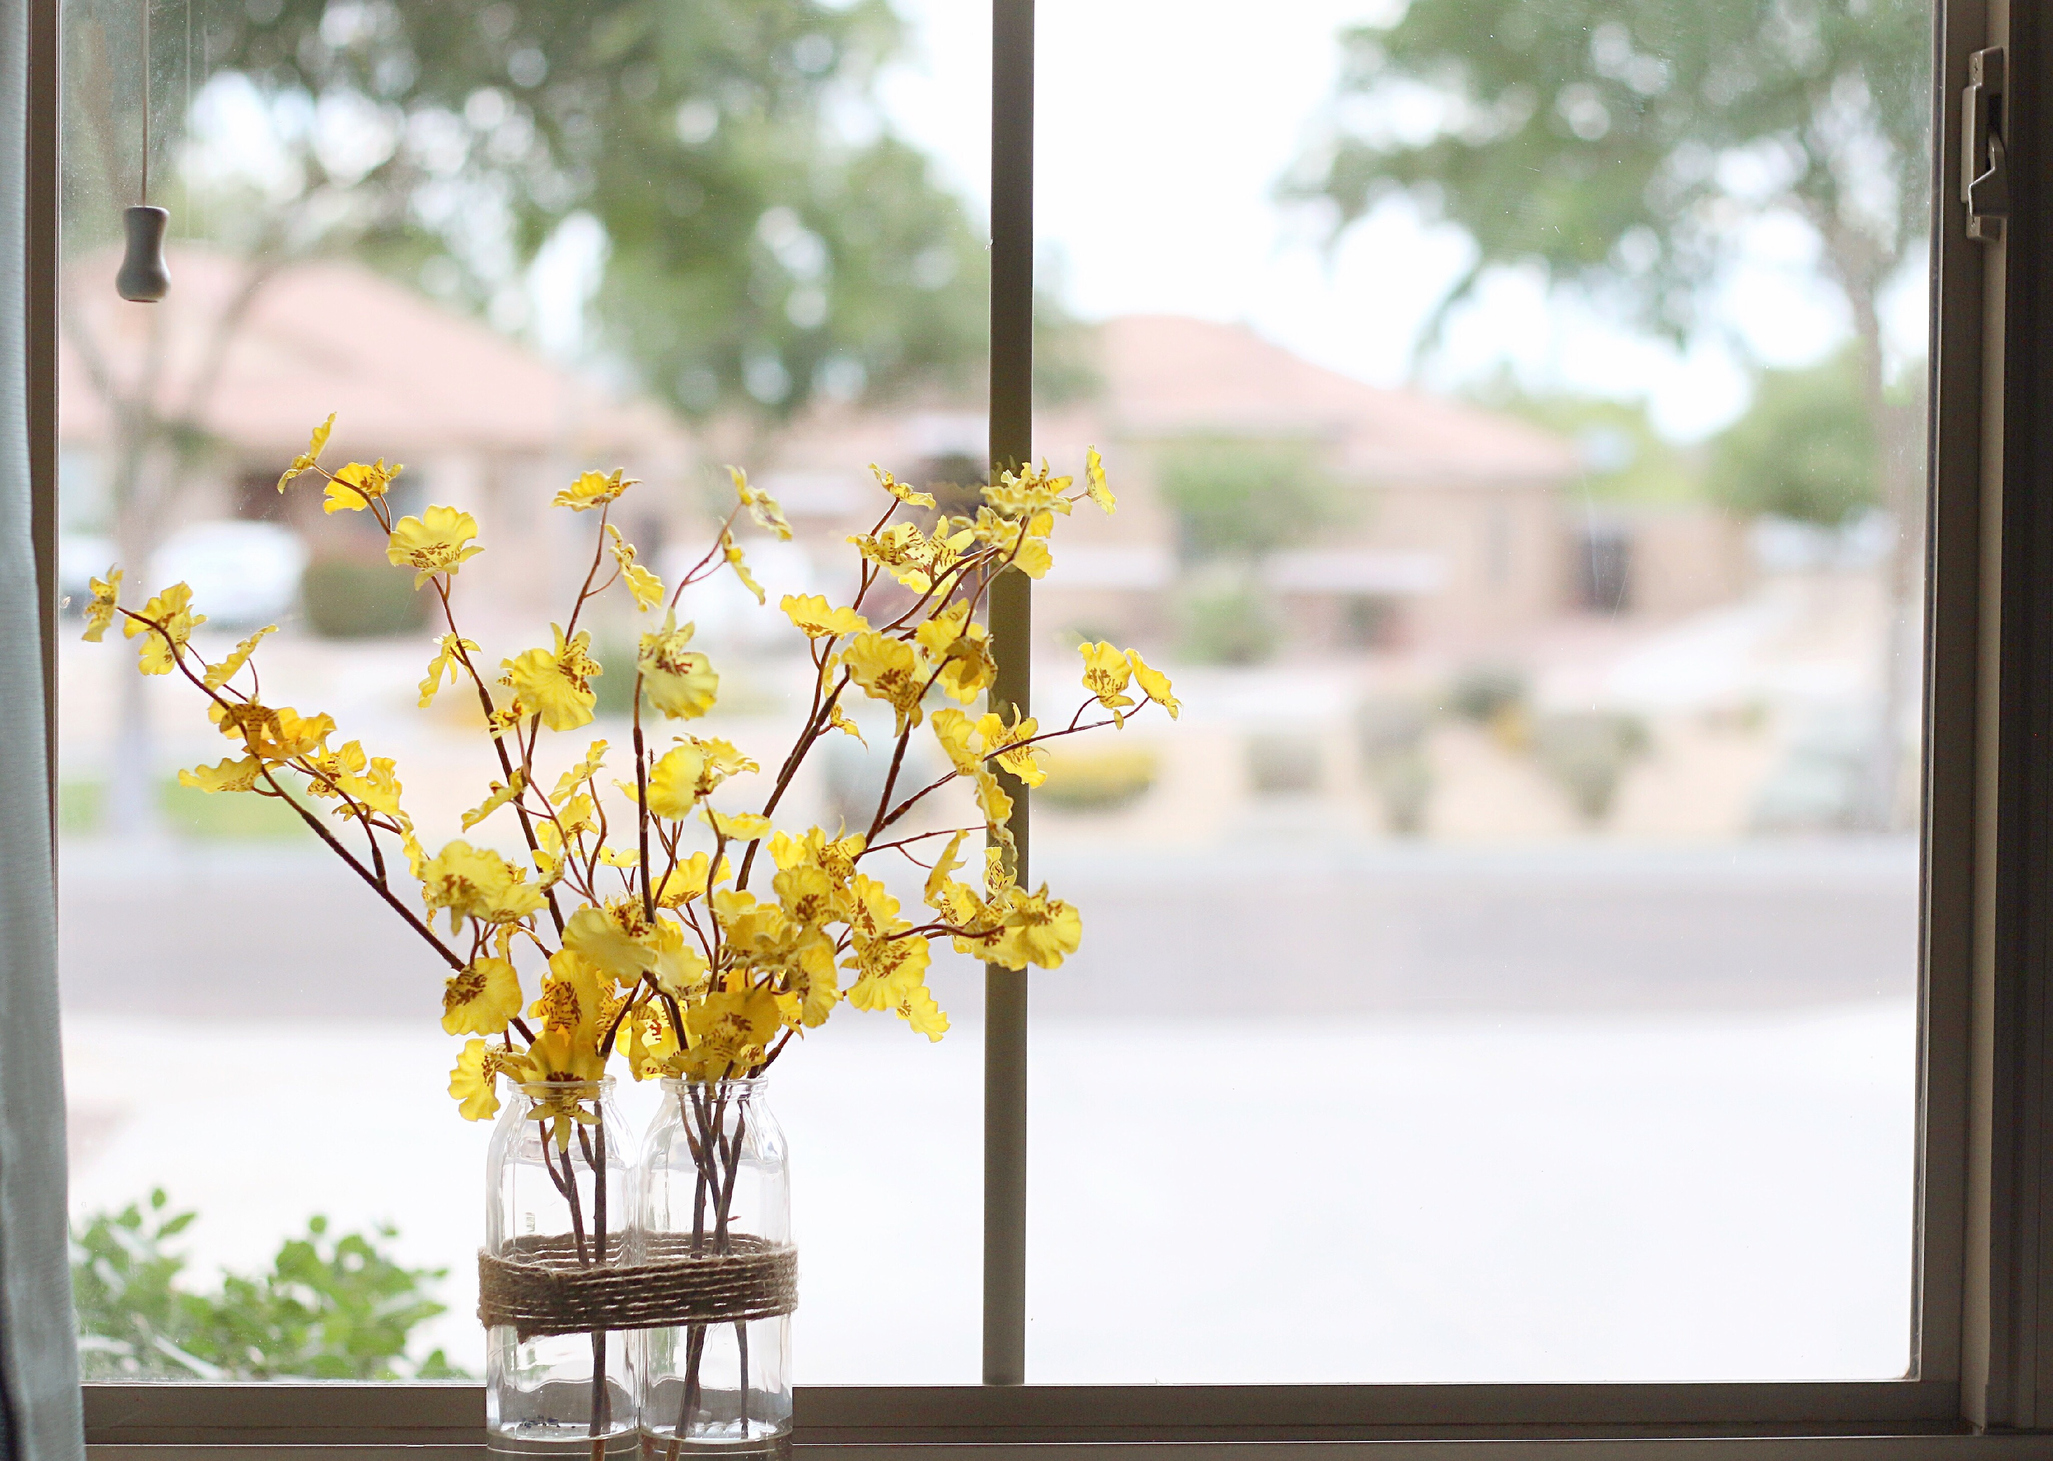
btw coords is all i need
(598, 557)
(641, 802)
(599, 1395)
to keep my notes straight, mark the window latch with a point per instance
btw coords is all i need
(1984, 175)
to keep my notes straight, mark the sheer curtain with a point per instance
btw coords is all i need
(38, 1353)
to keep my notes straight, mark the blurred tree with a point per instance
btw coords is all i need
(1243, 499)
(1805, 449)
(1624, 459)
(765, 237)
(1623, 146)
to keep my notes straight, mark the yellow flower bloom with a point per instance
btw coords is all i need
(568, 783)
(1154, 684)
(738, 826)
(962, 648)
(1029, 491)
(592, 489)
(918, 1009)
(481, 999)
(227, 670)
(899, 490)
(498, 797)
(889, 969)
(760, 504)
(687, 880)
(356, 486)
(1106, 673)
(674, 782)
(473, 882)
(438, 541)
(556, 684)
(729, 1033)
(644, 585)
(275, 735)
(172, 622)
(679, 682)
(807, 894)
(732, 554)
(474, 1082)
(815, 619)
(680, 969)
(1095, 483)
(605, 946)
(100, 612)
(573, 999)
(227, 776)
(308, 459)
(448, 660)
(1021, 761)
(1038, 930)
(887, 669)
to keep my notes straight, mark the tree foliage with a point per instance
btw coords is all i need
(1618, 145)
(332, 1307)
(1241, 499)
(1805, 449)
(768, 238)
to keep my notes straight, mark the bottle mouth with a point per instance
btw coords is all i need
(601, 1086)
(741, 1085)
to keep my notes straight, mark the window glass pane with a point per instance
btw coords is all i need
(1504, 969)
(504, 243)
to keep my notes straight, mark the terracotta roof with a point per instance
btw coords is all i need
(1172, 375)
(406, 376)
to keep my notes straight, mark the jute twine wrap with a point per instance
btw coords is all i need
(537, 1285)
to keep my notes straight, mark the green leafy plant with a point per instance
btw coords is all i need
(1588, 753)
(332, 1306)
(349, 597)
(1243, 499)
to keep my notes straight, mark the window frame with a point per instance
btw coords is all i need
(1982, 1350)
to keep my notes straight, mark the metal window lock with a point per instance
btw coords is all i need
(1984, 175)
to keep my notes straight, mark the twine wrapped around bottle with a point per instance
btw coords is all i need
(537, 1285)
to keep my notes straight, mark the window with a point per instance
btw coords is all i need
(1956, 1365)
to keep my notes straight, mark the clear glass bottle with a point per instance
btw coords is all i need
(567, 1394)
(713, 1171)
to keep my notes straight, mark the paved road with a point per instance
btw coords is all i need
(1290, 931)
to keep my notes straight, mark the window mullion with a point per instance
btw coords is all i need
(1011, 444)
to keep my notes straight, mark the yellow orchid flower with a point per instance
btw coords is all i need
(919, 1010)
(568, 783)
(1002, 744)
(471, 882)
(886, 669)
(100, 612)
(482, 999)
(674, 782)
(1095, 484)
(357, 485)
(226, 776)
(604, 945)
(761, 506)
(731, 553)
(687, 880)
(679, 682)
(680, 969)
(474, 1082)
(172, 622)
(738, 826)
(899, 490)
(438, 541)
(307, 460)
(1154, 684)
(728, 1033)
(816, 619)
(498, 797)
(962, 648)
(1106, 673)
(227, 670)
(1038, 930)
(889, 969)
(593, 489)
(644, 585)
(450, 649)
(556, 684)
(807, 894)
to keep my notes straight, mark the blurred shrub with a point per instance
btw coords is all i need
(1228, 624)
(1805, 448)
(1390, 736)
(1588, 753)
(614, 690)
(1097, 778)
(1483, 692)
(1241, 499)
(348, 597)
(1281, 765)
(331, 1308)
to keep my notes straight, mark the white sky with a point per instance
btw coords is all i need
(1161, 133)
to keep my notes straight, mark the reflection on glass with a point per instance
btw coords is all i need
(503, 243)
(1504, 970)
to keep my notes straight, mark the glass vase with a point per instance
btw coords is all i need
(560, 1192)
(713, 1179)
